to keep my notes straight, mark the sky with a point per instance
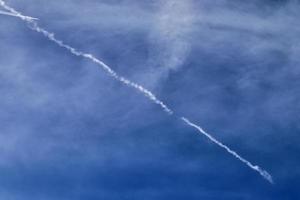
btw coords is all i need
(70, 131)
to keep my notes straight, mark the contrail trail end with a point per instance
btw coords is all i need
(262, 172)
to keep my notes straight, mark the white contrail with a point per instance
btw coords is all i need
(34, 26)
(50, 36)
(262, 172)
(13, 15)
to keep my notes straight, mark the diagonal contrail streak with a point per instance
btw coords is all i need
(33, 25)
(50, 36)
(262, 172)
(13, 15)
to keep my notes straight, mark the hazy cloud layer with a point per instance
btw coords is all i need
(234, 64)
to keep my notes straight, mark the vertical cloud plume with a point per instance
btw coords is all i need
(34, 26)
(173, 23)
(170, 37)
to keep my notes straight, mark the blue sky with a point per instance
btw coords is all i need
(69, 131)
